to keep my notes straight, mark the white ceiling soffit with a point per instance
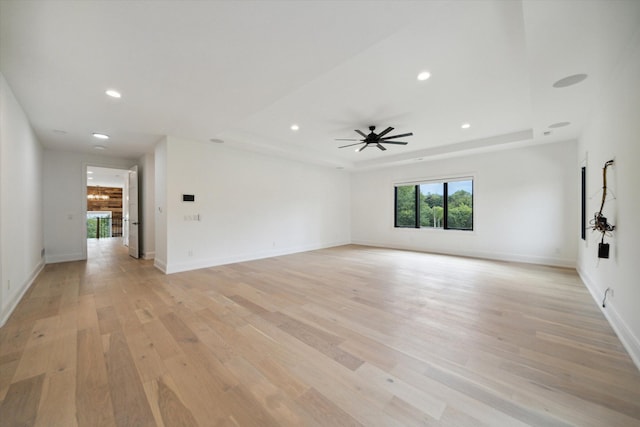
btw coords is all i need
(106, 177)
(244, 72)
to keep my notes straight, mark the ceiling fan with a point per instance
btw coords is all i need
(375, 139)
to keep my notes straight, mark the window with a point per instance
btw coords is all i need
(436, 204)
(406, 206)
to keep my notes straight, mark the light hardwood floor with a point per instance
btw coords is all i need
(343, 336)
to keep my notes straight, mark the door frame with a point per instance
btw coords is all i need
(83, 210)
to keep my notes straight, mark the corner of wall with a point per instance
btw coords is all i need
(160, 265)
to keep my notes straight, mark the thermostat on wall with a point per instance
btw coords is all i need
(188, 198)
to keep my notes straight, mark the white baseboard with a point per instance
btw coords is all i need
(76, 256)
(6, 313)
(149, 255)
(160, 265)
(630, 342)
(497, 256)
(213, 262)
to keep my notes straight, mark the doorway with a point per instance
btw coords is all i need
(107, 209)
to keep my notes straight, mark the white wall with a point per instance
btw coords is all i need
(250, 205)
(21, 232)
(65, 201)
(146, 207)
(614, 133)
(526, 204)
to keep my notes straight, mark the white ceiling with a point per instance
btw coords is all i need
(244, 71)
(106, 177)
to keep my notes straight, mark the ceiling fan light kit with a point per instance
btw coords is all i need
(375, 139)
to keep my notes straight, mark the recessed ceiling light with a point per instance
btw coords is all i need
(570, 80)
(424, 75)
(217, 141)
(100, 136)
(89, 172)
(113, 93)
(99, 147)
(559, 125)
(465, 126)
(89, 177)
(295, 127)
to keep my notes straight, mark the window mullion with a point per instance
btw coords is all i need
(395, 206)
(417, 198)
(445, 206)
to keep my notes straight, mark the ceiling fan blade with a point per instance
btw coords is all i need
(398, 136)
(351, 145)
(381, 147)
(362, 148)
(384, 132)
(346, 139)
(361, 133)
(394, 142)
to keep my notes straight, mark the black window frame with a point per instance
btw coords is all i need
(445, 203)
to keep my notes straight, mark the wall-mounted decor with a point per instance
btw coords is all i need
(599, 222)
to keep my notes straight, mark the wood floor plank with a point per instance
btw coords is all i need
(457, 402)
(350, 335)
(324, 342)
(8, 365)
(15, 336)
(130, 404)
(33, 361)
(199, 392)
(163, 342)
(324, 411)
(493, 399)
(58, 402)
(167, 406)
(93, 396)
(20, 406)
(429, 403)
(408, 415)
(198, 353)
(284, 410)
(63, 354)
(148, 363)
